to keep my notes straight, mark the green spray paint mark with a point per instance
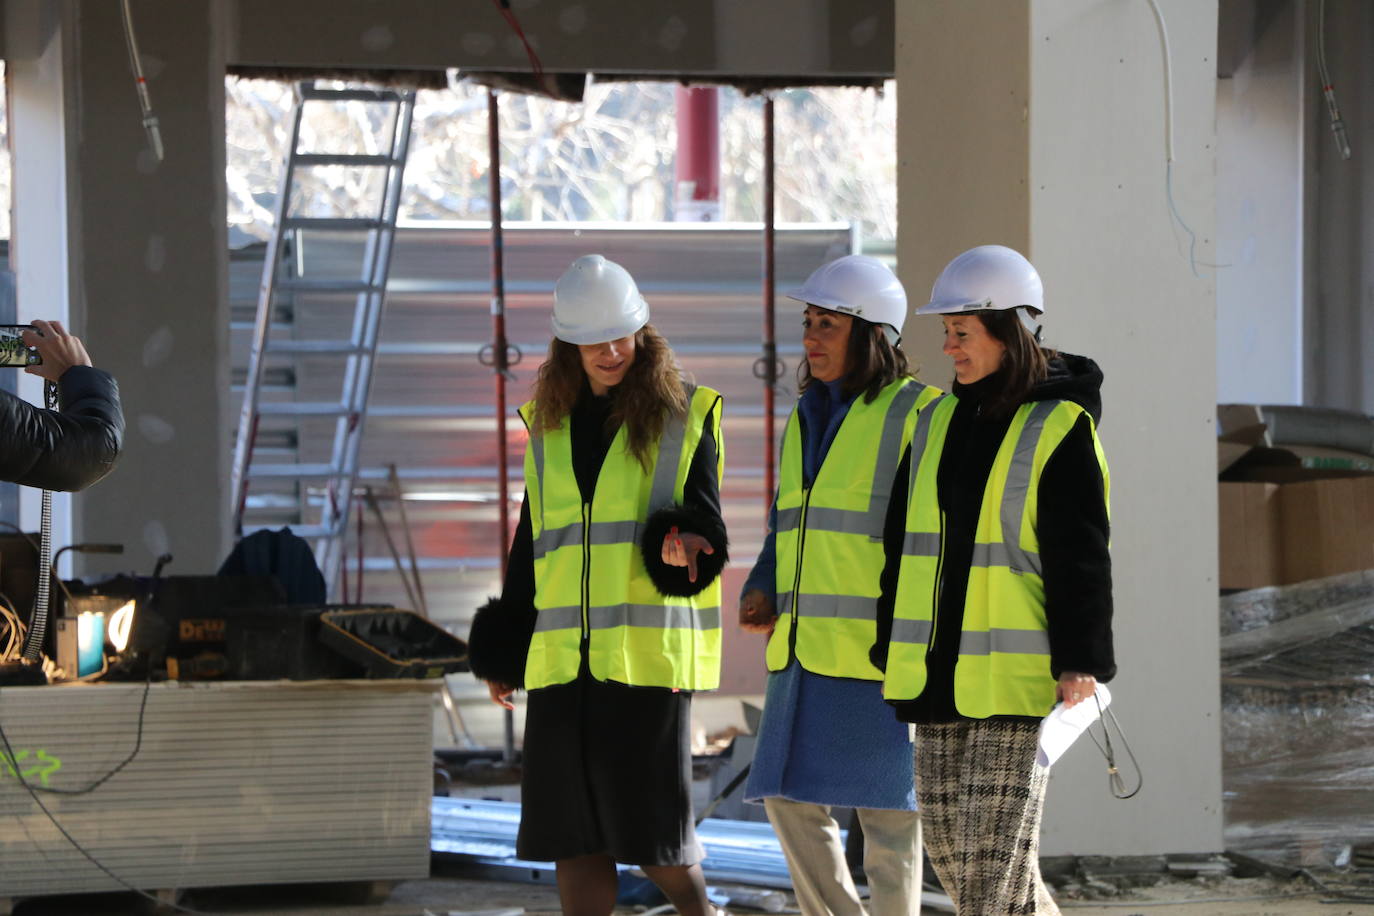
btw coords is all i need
(38, 771)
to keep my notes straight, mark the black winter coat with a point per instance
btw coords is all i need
(1072, 528)
(65, 449)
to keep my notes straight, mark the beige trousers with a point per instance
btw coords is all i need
(810, 840)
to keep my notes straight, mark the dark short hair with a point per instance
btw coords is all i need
(873, 362)
(1025, 365)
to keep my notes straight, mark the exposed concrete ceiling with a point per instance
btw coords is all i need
(671, 39)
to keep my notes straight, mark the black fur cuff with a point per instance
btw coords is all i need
(499, 643)
(672, 580)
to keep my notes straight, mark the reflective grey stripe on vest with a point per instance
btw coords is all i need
(558, 618)
(1020, 642)
(658, 616)
(921, 544)
(868, 521)
(916, 632)
(789, 519)
(1003, 555)
(848, 607)
(537, 445)
(670, 445)
(1017, 489)
(890, 454)
(602, 533)
(921, 435)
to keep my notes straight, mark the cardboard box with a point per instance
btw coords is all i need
(1328, 527)
(1251, 554)
(1305, 524)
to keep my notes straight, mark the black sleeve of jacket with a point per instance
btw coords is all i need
(65, 449)
(499, 641)
(894, 533)
(698, 513)
(1073, 530)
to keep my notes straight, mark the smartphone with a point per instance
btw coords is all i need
(13, 351)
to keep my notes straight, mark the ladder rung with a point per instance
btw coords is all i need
(326, 286)
(276, 327)
(376, 411)
(291, 471)
(332, 223)
(240, 387)
(340, 347)
(350, 95)
(357, 159)
(303, 409)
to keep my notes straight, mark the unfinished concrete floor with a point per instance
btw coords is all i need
(442, 896)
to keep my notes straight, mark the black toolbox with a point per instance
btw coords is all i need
(283, 641)
(393, 643)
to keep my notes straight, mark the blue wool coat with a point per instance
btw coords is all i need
(825, 740)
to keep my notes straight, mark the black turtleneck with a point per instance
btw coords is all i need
(1072, 529)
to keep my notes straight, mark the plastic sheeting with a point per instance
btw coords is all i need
(1298, 711)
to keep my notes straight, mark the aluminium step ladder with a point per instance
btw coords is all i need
(323, 491)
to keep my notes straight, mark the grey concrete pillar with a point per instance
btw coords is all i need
(142, 260)
(1040, 124)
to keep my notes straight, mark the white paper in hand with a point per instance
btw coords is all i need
(1062, 727)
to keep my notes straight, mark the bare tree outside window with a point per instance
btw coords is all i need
(608, 158)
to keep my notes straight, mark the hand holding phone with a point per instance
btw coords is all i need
(59, 351)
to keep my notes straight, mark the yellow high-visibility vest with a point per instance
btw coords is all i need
(590, 581)
(1003, 666)
(829, 536)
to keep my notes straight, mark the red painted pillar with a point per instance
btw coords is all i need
(697, 169)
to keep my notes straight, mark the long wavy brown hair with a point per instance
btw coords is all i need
(872, 362)
(651, 392)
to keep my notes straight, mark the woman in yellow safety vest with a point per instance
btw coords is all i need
(828, 562)
(1004, 598)
(610, 613)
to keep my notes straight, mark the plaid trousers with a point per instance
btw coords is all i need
(981, 794)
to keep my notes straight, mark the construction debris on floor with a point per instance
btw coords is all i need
(1298, 720)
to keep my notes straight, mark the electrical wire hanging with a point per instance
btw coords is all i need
(38, 624)
(503, 6)
(145, 102)
(1328, 90)
(9, 759)
(1174, 215)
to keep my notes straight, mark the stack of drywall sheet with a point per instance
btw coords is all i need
(233, 783)
(1298, 718)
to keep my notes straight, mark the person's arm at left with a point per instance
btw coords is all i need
(1076, 565)
(74, 446)
(684, 546)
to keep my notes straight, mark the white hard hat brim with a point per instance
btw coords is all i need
(584, 336)
(949, 307)
(811, 297)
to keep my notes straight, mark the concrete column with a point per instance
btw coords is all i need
(38, 52)
(1340, 309)
(140, 257)
(1262, 108)
(1040, 124)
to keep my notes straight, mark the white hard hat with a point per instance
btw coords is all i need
(860, 286)
(989, 278)
(596, 300)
